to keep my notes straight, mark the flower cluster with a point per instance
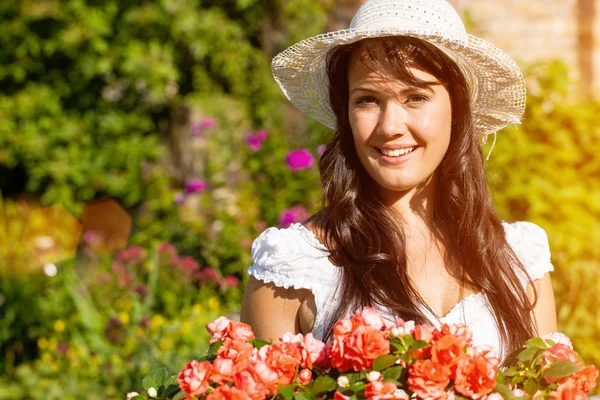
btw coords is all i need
(371, 358)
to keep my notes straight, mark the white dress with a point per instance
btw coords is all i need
(293, 257)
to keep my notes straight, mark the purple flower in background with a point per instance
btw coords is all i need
(321, 149)
(91, 237)
(254, 140)
(292, 215)
(299, 159)
(179, 198)
(195, 185)
(205, 123)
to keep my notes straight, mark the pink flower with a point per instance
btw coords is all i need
(207, 123)
(357, 343)
(586, 378)
(131, 395)
(292, 215)
(313, 351)
(254, 140)
(558, 337)
(193, 379)
(195, 185)
(495, 396)
(188, 266)
(179, 198)
(258, 380)
(223, 328)
(370, 317)
(380, 391)
(133, 255)
(230, 282)
(199, 126)
(568, 390)
(321, 149)
(208, 275)
(166, 252)
(225, 392)
(476, 375)
(299, 159)
(283, 358)
(304, 377)
(428, 379)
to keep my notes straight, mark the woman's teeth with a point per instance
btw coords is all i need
(397, 152)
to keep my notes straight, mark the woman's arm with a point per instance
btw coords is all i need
(545, 309)
(272, 311)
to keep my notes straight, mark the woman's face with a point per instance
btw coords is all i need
(401, 132)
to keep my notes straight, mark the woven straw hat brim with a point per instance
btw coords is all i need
(495, 81)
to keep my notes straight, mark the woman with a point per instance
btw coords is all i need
(407, 224)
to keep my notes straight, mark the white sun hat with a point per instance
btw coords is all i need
(495, 82)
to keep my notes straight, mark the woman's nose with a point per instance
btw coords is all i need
(392, 120)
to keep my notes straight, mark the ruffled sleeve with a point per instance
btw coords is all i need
(530, 244)
(292, 257)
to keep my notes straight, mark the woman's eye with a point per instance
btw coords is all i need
(365, 100)
(416, 99)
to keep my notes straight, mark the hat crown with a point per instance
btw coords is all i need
(432, 15)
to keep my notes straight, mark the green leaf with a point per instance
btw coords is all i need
(356, 376)
(393, 372)
(323, 384)
(512, 371)
(138, 398)
(504, 391)
(384, 361)
(419, 344)
(527, 354)
(536, 343)
(561, 368)
(531, 386)
(357, 387)
(213, 350)
(155, 378)
(303, 396)
(459, 397)
(258, 343)
(287, 391)
(171, 390)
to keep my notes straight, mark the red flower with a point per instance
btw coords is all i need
(568, 390)
(304, 377)
(223, 328)
(585, 379)
(387, 390)
(428, 379)
(193, 379)
(226, 392)
(359, 341)
(476, 375)
(447, 351)
(283, 358)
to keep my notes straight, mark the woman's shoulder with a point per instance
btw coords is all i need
(291, 257)
(530, 244)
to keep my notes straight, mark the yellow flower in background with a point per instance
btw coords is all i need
(197, 309)
(59, 325)
(185, 328)
(42, 343)
(213, 303)
(46, 357)
(165, 344)
(124, 317)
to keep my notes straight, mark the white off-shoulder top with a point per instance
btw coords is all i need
(293, 257)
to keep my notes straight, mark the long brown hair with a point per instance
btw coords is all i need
(364, 235)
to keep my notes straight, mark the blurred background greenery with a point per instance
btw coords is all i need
(144, 145)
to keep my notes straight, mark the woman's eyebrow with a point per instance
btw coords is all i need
(426, 86)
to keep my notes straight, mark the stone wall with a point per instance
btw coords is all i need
(529, 30)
